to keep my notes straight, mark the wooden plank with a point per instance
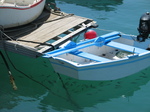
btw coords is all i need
(66, 38)
(17, 48)
(61, 29)
(48, 27)
(38, 33)
(63, 23)
(44, 26)
(53, 29)
(27, 30)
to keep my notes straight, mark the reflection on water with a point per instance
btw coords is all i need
(43, 90)
(82, 94)
(107, 5)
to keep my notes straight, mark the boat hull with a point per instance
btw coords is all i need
(107, 57)
(102, 71)
(12, 16)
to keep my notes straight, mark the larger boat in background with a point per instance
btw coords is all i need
(19, 12)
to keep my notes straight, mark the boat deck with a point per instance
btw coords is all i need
(45, 33)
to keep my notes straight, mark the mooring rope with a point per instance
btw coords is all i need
(12, 80)
(132, 36)
(113, 31)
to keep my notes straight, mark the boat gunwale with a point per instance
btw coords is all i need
(79, 67)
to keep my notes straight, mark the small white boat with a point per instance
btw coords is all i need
(19, 12)
(107, 57)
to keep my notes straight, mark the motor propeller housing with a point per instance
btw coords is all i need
(144, 27)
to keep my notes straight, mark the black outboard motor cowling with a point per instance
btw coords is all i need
(144, 27)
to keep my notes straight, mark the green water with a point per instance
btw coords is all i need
(40, 89)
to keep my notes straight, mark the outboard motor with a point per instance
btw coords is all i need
(144, 27)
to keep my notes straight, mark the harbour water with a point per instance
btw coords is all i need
(42, 90)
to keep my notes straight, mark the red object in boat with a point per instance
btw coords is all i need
(90, 34)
